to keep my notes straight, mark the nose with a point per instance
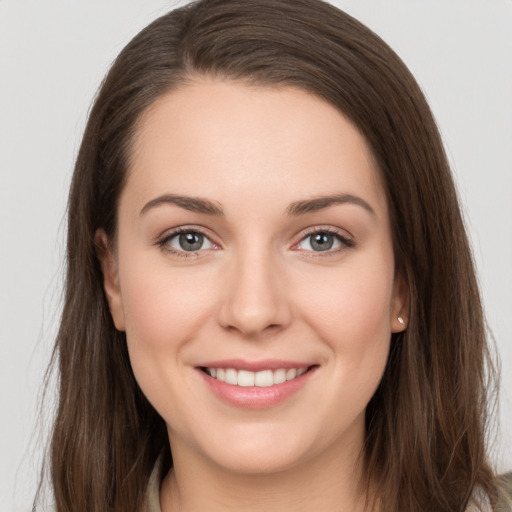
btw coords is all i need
(254, 296)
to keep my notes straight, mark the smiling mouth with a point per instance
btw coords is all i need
(261, 379)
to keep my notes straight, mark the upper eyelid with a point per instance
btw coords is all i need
(342, 233)
(171, 232)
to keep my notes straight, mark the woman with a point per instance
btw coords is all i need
(270, 302)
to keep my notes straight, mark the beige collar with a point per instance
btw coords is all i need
(153, 492)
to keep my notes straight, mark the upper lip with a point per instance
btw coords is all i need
(255, 366)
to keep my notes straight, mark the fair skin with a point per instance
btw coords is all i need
(262, 276)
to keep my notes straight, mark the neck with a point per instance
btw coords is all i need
(321, 484)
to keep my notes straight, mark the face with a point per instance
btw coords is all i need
(254, 274)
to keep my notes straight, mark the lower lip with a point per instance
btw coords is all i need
(254, 397)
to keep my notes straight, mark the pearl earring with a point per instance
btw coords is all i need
(401, 320)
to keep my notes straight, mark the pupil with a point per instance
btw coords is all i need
(322, 242)
(191, 241)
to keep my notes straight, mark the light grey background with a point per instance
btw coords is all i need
(53, 55)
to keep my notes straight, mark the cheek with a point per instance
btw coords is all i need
(162, 305)
(351, 301)
(164, 308)
(351, 313)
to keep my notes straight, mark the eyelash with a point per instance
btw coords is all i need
(346, 242)
(163, 243)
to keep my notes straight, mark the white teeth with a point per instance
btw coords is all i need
(279, 376)
(291, 374)
(262, 379)
(231, 376)
(245, 378)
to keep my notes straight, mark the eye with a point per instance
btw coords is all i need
(323, 241)
(188, 241)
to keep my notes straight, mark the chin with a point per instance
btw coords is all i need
(257, 448)
(250, 461)
(266, 447)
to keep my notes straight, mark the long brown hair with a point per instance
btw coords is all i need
(426, 424)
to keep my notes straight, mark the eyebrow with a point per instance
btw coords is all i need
(207, 207)
(319, 203)
(193, 204)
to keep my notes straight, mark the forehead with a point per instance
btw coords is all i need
(226, 139)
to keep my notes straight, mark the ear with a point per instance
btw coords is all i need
(399, 304)
(110, 278)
